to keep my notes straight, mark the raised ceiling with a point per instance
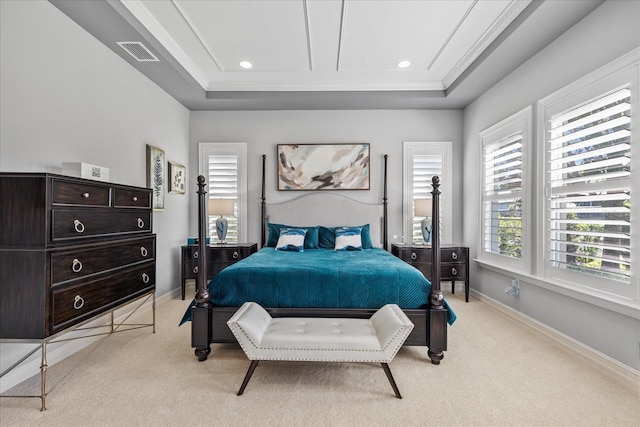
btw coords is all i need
(326, 53)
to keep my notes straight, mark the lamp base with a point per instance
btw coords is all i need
(425, 226)
(222, 225)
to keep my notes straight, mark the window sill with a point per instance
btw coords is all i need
(620, 305)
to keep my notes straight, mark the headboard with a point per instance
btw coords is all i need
(328, 209)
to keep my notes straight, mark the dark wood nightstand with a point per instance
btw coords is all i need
(454, 262)
(219, 256)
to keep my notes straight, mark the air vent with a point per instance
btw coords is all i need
(138, 51)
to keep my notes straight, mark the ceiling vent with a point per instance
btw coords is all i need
(138, 51)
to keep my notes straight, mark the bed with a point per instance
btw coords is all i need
(314, 280)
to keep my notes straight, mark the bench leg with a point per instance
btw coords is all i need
(391, 380)
(247, 377)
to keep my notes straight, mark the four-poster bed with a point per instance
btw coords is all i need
(350, 286)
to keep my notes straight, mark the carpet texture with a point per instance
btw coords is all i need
(496, 372)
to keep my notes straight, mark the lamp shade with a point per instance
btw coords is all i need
(422, 207)
(220, 207)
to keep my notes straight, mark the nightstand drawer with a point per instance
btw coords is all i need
(453, 255)
(447, 271)
(415, 254)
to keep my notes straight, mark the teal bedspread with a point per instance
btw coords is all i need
(323, 278)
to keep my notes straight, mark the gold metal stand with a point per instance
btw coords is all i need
(42, 344)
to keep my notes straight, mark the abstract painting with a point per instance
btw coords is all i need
(323, 167)
(156, 176)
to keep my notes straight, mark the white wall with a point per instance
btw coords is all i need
(384, 130)
(68, 98)
(607, 33)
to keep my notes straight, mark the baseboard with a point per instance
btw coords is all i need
(58, 352)
(616, 368)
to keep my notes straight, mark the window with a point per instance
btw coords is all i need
(504, 197)
(224, 166)
(423, 161)
(591, 183)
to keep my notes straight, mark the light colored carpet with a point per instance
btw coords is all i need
(497, 372)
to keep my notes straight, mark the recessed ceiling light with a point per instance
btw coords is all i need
(404, 64)
(246, 64)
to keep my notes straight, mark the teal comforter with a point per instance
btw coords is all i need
(322, 278)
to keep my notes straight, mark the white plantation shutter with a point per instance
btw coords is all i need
(589, 187)
(502, 191)
(223, 184)
(424, 168)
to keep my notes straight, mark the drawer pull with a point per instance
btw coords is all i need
(454, 272)
(414, 256)
(143, 251)
(85, 195)
(195, 269)
(145, 278)
(76, 265)
(78, 302)
(135, 199)
(140, 223)
(235, 255)
(195, 254)
(454, 255)
(79, 227)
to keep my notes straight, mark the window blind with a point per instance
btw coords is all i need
(502, 195)
(589, 187)
(424, 167)
(223, 184)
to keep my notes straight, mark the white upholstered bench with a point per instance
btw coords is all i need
(376, 339)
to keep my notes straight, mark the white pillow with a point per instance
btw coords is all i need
(291, 239)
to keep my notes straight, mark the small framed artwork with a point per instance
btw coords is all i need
(156, 165)
(177, 178)
(323, 167)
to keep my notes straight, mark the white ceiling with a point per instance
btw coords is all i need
(328, 53)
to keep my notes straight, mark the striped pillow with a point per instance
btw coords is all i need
(291, 239)
(348, 238)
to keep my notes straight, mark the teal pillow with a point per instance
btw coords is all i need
(310, 239)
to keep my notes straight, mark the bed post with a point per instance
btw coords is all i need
(385, 232)
(437, 312)
(200, 322)
(263, 218)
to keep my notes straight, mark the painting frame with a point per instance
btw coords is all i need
(156, 176)
(177, 178)
(323, 166)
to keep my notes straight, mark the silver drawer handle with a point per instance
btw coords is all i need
(454, 271)
(195, 254)
(78, 302)
(145, 278)
(85, 195)
(143, 251)
(76, 265)
(413, 255)
(454, 255)
(78, 226)
(195, 269)
(135, 199)
(235, 255)
(140, 223)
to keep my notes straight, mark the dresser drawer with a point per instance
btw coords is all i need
(87, 260)
(131, 198)
(70, 224)
(453, 255)
(75, 193)
(76, 303)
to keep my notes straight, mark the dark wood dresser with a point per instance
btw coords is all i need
(70, 250)
(219, 256)
(454, 262)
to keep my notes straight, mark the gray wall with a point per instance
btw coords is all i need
(68, 98)
(607, 33)
(384, 130)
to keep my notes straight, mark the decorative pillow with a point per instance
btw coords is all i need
(327, 237)
(348, 238)
(291, 239)
(310, 239)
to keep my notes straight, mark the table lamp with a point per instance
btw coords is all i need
(423, 208)
(221, 207)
